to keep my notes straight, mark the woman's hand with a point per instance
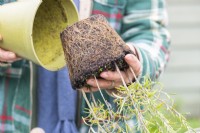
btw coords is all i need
(112, 79)
(7, 56)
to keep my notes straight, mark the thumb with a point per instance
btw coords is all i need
(134, 63)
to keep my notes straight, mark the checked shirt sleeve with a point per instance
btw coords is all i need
(144, 26)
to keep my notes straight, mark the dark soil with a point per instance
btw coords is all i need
(92, 46)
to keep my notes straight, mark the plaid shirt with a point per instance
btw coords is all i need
(141, 23)
(15, 98)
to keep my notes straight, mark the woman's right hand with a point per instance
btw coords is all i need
(7, 56)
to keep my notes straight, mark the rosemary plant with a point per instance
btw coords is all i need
(147, 102)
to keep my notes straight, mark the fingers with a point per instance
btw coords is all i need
(92, 89)
(115, 76)
(104, 84)
(110, 75)
(101, 82)
(111, 81)
(7, 56)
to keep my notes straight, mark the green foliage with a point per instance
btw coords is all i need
(145, 101)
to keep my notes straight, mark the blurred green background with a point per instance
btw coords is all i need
(182, 75)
